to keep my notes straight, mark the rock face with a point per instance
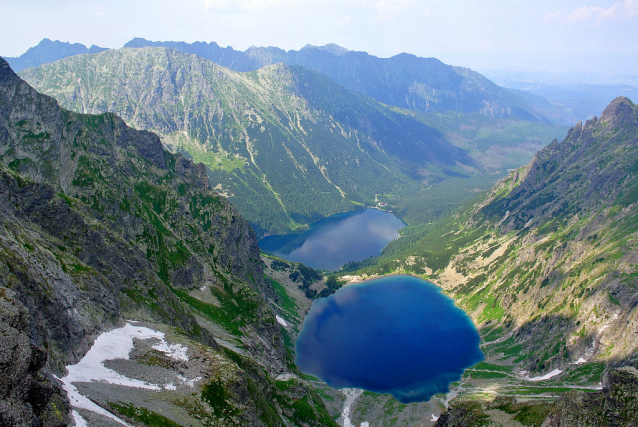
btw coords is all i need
(591, 168)
(615, 405)
(260, 132)
(28, 395)
(87, 168)
(406, 81)
(99, 225)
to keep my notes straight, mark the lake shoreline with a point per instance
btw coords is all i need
(389, 311)
(332, 242)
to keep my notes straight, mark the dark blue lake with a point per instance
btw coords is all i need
(397, 335)
(338, 239)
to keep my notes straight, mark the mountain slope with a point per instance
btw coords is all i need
(49, 51)
(286, 145)
(406, 81)
(100, 226)
(547, 260)
(546, 265)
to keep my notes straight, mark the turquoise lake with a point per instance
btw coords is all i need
(397, 334)
(338, 239)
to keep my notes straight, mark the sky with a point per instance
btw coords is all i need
(597, 36)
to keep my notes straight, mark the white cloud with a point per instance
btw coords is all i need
(621, 10)
(235, 6)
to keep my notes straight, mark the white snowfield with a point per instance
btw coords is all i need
(351, 397)
(546, 376)
(112, 345)
(281, 321)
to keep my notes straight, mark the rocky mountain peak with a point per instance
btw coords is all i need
(49, 51)
(620, 112)
(578, 175)
(332, 48)
(137, 42)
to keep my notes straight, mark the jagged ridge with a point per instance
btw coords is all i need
(404, 80)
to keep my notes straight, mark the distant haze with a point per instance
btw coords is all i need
(566, 35)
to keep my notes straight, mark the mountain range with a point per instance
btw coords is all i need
(286, 144)
(49, 51)
(101, 227)
(406, 81)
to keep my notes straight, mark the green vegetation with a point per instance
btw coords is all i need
(332, 285)
(492, 367)
(214, 393)
(143, 415)
(497, 143)
(589, 373)
(527, 414)
(476, 374)
(287, 302)
(307, 276)
(237, 309)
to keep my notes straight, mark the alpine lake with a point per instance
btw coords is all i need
(333, 241)
(397, 334)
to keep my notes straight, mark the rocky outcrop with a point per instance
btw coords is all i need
(615, 405)
(587, 170)
(29, 396)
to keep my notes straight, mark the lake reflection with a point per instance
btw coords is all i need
(338, 239)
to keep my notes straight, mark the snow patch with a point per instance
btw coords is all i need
(365, 424)
(546, 376)
(78, 419)
(174, 351)
(351, 397)
(285, 377)
(170, 387)
(281, 321)
(112, 345)
(434, 418)
(116, 344)
(81, 402)
(190, 383)
(579, 361)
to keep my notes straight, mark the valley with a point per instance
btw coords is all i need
(143, 231)
(287, 145)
